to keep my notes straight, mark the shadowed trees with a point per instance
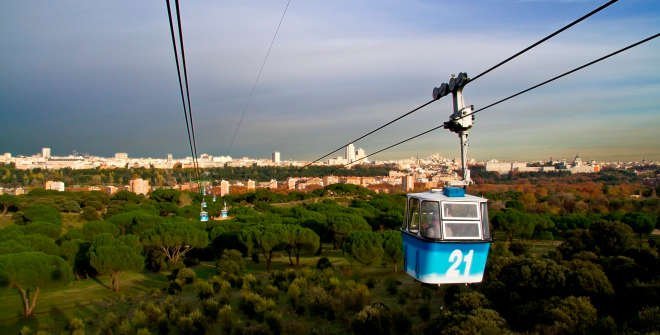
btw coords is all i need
(110, 255)
(175, 237)
(29, 272)
(364, 246)
(393, 247)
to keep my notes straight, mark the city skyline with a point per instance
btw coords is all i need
(276, 157)
(75, 81)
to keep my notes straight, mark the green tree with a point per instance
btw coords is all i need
(6, 202)
(28, 272)
(93, 228)
(393, 247)
(364, 246)
(48, 229)
(265, 238)
(342, 224)
(573, 315)
(110, 255)
(174, 238)
(38, 213)
(298, 239)
(641, 223)
(612, 238)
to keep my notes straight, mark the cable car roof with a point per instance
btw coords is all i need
(437, 195)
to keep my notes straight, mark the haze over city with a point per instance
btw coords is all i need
(100, 78)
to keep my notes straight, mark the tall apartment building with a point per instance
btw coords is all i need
(350, 153)
(45, 153)
(224, 188)
(276, 157)
(408, 183)
(251, 185)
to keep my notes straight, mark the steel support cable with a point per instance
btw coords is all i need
(256, 81)
(185, 76)
(396, 144)
(178, 72)
(517, 94)
(563, 75)
(557, 32)
(371, 132)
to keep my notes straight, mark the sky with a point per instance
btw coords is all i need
(99, 77)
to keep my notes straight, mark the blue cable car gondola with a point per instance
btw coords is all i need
(446, 236)
(203, 216)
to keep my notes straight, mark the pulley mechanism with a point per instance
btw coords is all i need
(460, 121)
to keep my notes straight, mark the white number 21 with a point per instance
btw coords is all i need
(455, 258)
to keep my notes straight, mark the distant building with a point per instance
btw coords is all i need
(45, 153)
(110, 189)
(121, 155)
(291, 183)
(170, 157)
(55, 185)
(224, 188)
(276, 157)
(273, 184)
(352, 180)
(350, 153)
(360, 154)
(139, 186)
(251, 185)
(329, 180)
(408, 183)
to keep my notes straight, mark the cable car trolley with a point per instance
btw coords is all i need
(446, 234)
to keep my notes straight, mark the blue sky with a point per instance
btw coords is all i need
(99, 77)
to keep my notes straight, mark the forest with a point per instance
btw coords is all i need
(570, 256)
(12, 177)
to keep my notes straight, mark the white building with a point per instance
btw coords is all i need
(276, 157)
(121, 155)
(224, 188)
(45, 153)
(55, 185)
(350, 153)
(360, 153)
(139, 186)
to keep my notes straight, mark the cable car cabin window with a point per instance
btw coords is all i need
(430, 217)
(461, 230)
(413, 215)
(460, 210)
(485, 226)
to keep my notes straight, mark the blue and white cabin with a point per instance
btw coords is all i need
(446, 236)
(203, 216)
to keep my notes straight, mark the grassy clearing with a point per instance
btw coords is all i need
(85, 299)
(5, 220)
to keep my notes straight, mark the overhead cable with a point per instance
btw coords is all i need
(178, 72)
(185, 76)
(256, 80)
(515, 95)
(582, 18)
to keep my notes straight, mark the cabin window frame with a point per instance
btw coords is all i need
(461, 218)
(410, 213)
(422, 231)
(473, 222)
